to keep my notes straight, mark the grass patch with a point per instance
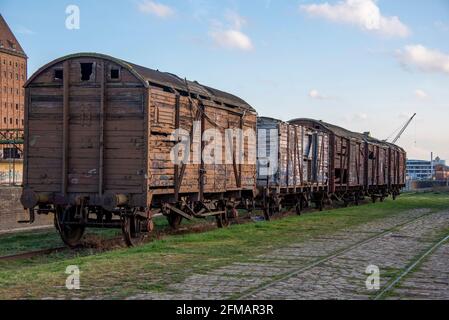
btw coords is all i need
(124, 272)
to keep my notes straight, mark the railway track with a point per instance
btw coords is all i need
(254, 291)
(32, 254)
(102, 245)
(392, 284)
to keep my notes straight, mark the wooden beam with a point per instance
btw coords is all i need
(26, 135)
(202, 171)
(101, 139)
(180, 212)
(177, 182)
(287, 178)
(65, 127)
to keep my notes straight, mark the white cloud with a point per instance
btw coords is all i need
(231, 37)
(420, 94)
(158, 9)
(424, 59)
(363, 13)
(315, 94)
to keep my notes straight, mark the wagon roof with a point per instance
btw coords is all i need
(342, 132)
(150, 76)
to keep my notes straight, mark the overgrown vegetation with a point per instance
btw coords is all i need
(124, 272)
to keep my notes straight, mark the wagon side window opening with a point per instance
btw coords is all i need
(308, 145)
(341, 176)
(58, 75)
(114, 73)
(87, 70)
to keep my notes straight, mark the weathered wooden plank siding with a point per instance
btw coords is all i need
(219, 176)
(124, 129)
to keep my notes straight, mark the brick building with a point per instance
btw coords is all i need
(13, 75)
(441, 172)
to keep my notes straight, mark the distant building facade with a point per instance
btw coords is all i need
(426, 169)
(13, 75)
(419, 169)
(441, 172)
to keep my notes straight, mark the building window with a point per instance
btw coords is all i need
(17, 106)
(10, 120)
(4, 120)
(17, 122)
(11, 153)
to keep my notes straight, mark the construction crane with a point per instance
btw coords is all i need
(401, 131)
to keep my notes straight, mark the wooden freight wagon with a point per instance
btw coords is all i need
(292, 164)
(396, 169)
(346, 162)
(109, 144)
(359, 165)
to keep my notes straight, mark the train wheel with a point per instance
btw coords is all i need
(71, 234)
(174, 220)
(132, 226)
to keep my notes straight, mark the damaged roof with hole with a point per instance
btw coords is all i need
(159, 78)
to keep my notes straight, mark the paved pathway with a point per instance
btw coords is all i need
(430, 281)
(325, 267)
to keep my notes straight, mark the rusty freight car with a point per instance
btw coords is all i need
(292, 165)
(359, 165)
(100, 147)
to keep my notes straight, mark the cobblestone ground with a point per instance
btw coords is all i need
(325, 267)
(429, 281)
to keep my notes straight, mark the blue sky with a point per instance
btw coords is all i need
(363, 64)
